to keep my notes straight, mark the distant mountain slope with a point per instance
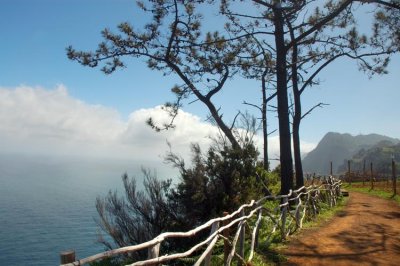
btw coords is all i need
(380, 155)
(336, 148)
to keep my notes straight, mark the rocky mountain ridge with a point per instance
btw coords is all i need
(338, 148)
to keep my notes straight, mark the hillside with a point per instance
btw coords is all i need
(337, 148)
(380, 155)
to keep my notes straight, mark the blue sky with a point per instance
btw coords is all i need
(33, 62)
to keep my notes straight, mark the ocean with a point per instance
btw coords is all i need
(47, 204)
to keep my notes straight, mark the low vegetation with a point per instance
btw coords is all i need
(220, 180)
(270, 242)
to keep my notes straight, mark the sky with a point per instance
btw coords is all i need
(51, 105)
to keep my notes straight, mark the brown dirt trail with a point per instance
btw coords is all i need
(365, 232)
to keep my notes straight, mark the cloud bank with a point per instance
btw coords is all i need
(51, 122)
(35, 120)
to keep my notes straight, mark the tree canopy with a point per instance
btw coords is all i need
(291, 41)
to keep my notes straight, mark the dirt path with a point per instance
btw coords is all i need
(366, 232)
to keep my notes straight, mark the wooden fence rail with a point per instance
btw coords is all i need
(283, 219)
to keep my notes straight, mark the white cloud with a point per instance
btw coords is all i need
(306, 147)
(36, 112)
(189, 129)
(38, 120)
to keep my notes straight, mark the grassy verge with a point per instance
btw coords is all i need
(375, 192)
(273, 255)
(326, 215)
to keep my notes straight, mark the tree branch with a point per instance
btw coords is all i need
(321, 23)
(321, 105)
(384, 3)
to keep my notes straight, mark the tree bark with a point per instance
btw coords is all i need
(264, 123)
(283, 107)
(297, 153)
(297, 117)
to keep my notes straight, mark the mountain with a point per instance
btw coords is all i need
(337, 148)
(380, 155)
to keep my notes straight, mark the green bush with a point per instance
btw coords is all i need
(219, 180)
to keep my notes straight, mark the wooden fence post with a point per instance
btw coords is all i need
(284, 214)
(153, 252)
(256, 240)
(67, 256)
(297, 214)
(331, 169)
(349, 171)
(394, 177)
(332, 200)
(242, 239)
(207, 260)
(372, 177)
(364, 174)
(314, 203)
(226, 233)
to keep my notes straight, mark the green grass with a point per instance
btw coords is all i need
(327, 214)
(375, 192)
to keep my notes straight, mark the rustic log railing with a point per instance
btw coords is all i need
(283, 219)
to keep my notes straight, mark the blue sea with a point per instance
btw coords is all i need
(47, 204)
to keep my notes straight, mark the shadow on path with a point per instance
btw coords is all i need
(366, 232)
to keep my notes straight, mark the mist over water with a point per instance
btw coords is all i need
(47, 204)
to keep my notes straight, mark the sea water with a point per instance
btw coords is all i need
(47, 205)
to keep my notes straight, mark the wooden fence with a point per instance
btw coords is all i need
(373, 179)
(278, 216)
(366, 177)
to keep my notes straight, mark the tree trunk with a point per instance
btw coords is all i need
(283, 107)
(297, 117)
(264, 123)
(297, 153)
